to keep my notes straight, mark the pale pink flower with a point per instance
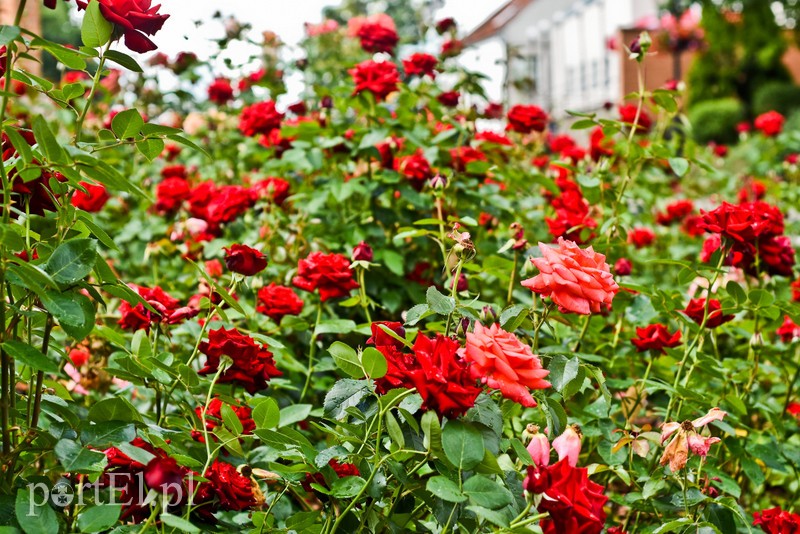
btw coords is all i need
(687, 439)
(568, 445)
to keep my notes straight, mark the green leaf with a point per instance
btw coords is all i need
(462, 444)
(107, 434)
(346, 359)
(95, 29)
(182, 140)
(394, 430)
(522, 453)
(30, 356)
(294, 413)
(445, 489)
(736, 291)
(127, 123)
(760, 298)
(374, 363)
(8, 33)
(487, 493)
(114, 409)
(73, 260)
(344, 394)
(179, 523)
(19, 143)
(34, 518)
(231, 420)
(47, 141)
(74, 312)
(562, 371)
(78, 459)
(439, 303)
(335, 326)
(266, 413)
(150, 148)
(679, 166)
(123, 59)
(347, 487)
(99, 518)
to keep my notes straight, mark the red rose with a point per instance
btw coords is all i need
(695, 311)
(449, 98)
(776, 255)
(165, 476)
(463, 156)
(676, 211)
(298, 108)
(443, 379)
(526, 119)
(445, 25)
(623, 267)
(227, 203)
(420, 64)
(655, 337)
(330, 273)
(362, 252)
(377, 37)
(777, 521)
(627, 114)
(79, 357)
(788, 331)
(93, 199)
(493, 138)
(769, 123)
(379, 78)
(600, 145)
(493, 110)
(572, 213)
(641, 237)
(451, 48)
(795, 290)
(174, 171)
(227, 489)
(276, 302)
(134, 18)
(259, 118)
(170, 194)
(252, 367)
(245, 260)
(138, 317)
(220, 91)
(574, 503)
(414, 167)
(273, 188)
(752, 191)
(214, 418)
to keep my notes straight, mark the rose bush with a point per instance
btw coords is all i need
(328, 316)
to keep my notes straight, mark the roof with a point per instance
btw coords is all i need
(496, 21)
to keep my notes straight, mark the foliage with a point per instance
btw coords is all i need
(779, 96)
(716, 120)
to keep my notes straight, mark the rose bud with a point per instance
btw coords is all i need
(636, 46)
(539, 448)
(623, 267)
(79, 357)
(438, 182)
(568, 445)
(245, 260)
(362, 252)
(462, 284)
(326, 102)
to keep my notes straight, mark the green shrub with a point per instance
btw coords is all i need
(779, 96)
(716, 120)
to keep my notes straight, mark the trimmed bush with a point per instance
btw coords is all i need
(716, 120)
(779, 96)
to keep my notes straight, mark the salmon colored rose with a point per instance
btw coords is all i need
(578, 280)
(501, 361)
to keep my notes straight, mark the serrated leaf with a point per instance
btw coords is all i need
(462, 444)
(346, 359)
(441, 304)
(126, 124)
(374, 363)
(30, 356)
(73, 260)
(95, 29)
(445, 489)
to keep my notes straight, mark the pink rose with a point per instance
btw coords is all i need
(578, 280)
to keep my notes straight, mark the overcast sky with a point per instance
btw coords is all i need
(181, 34)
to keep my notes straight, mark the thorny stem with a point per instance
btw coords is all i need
(37, 400)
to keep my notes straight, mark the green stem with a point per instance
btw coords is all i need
(90, 96)
(584, 329)
(512, 280)
(312, 349)
(363, 292)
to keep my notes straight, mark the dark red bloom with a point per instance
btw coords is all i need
(574, 503)
(138, 317)
(600, 145)
(220, 91)
(623, 267)
(93, 199)
(227, 203)
(420, 64)
(641, 237)
(695, 310)
(769, 123)
(675, 211)
(379, 78)
(377, 37)
(493, 110)
(214, 417)
(463, 156)
(777, 255)
(260, 118)
(449, 98)
(170, 195)
(526, 119)
(627, 114)
(362, 252)
(245, 260)
(340, 469)
(276, 302)
(227, 489)
(134, 18)
(795, 290)
(451, 48)
(252, 366)
(164, 475)
(445, 25)
(330, 273)
(777, 521)
(655, 337)
(414, 167)
(443, 378)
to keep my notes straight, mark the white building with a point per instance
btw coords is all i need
(557, 51)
